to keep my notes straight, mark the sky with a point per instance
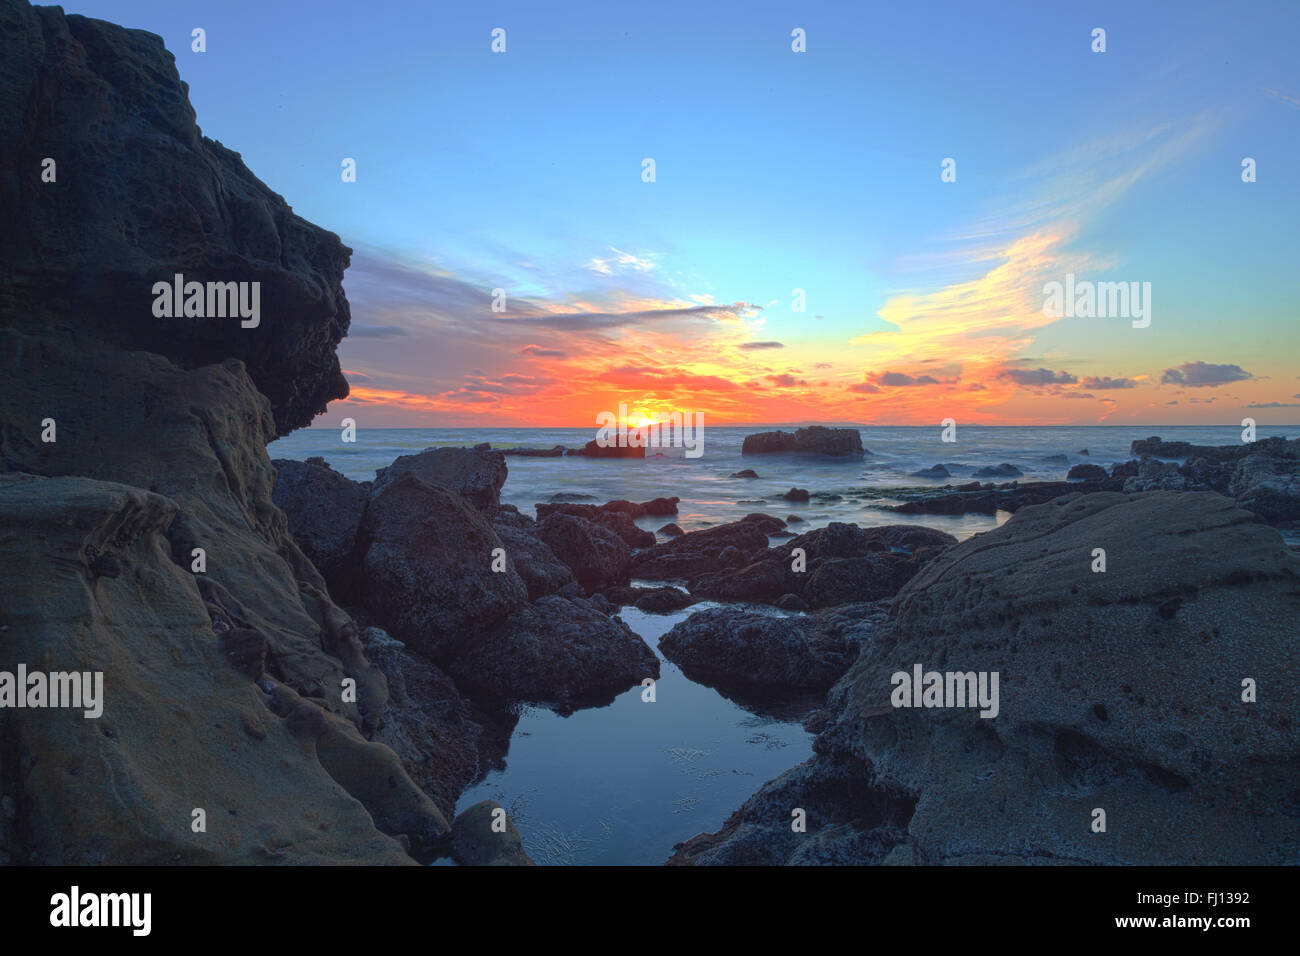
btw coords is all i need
(798, 255)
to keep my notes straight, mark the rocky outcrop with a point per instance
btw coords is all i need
(598, 557)
(697, 552)
(424, 556)
(476, 474)
(1159, 692)
(141, 537)
(324, 512)
(814, 440)
(838, 564)
(556, 650)
(1087, 472)
(764, 654)
(141, 195)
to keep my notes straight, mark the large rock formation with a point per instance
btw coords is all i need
(141, 539)
(1121, 691)
(139, 195)
(813, 440)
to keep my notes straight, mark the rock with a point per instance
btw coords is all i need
(672, 530)
(623, 526)
(656, 507)
(594, 450)
(664, 600)
(696, 552)
(851, 822)
(794, 519)
(103, 790)
(1004, 470)
(476, 474)
(484, 836)
(443, 739)
(1120, 689)
(554, 651)
(796, 494)
(1270, 488)
(745, 473)
(1082, 451)
(596, 555)
(530, 557)
(1056, 460)
(843, 564)
(761, 653)
(936, 472)
(1087, 472)
(1155, 475)
(791, 602)
(324, 511)
(424, 557)
(814, 440)
(554, 452)
(158, 199)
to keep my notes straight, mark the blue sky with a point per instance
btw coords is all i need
(776, 171)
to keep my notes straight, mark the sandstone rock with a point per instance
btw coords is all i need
(479, 840)
(173, 709)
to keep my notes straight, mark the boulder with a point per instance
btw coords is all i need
(424, 558)
(814, 440)
(484, 836)
(595, 450)
(324, 510)
(934, 472)
(535, 563)
(597, 556)
(1004, 470)
(1086, 473)
(796, 494)
(472, 472)
(554, 651)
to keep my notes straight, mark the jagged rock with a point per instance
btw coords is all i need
(1004, 470)
(696, 552)
(796, 494)
(150, 197)
(935, 472)
(554, 651)
(598, 557)
(424, 555)
(1155, 475)
(443, 739)
(814, 440)
(324, 511)
(594, 450)
(484, 836)
(1087, 472)
(476, 474)
(535, 563)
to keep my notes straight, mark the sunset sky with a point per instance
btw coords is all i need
(778, 171)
